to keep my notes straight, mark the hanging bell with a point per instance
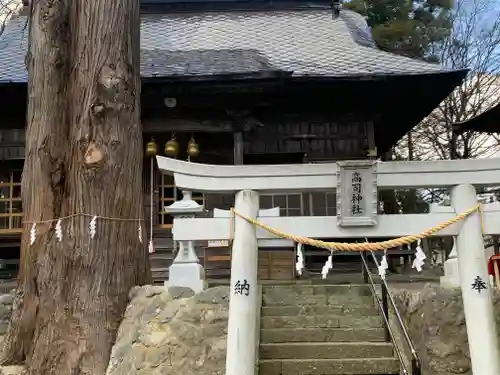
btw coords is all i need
(192, 149)
(172, 147)
(151, 148)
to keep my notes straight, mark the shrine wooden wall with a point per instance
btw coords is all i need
(317, 137)
(272, 264)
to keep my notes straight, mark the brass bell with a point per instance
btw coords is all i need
(172, 147)
(151, 148)
(193, 150)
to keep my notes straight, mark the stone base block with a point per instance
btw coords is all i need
(451, 278)
(188, 275)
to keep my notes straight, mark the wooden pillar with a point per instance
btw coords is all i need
(238, 147)
(372, 146)
(147, 197)
(226, 201)
(238, 121)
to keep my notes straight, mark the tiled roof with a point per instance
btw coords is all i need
(305, 42)
(156, 63)
(487, 122)
(13, 47)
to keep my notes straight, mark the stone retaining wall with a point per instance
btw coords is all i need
(5, 311)
(172, 332)
(177, 332)
(435, 319)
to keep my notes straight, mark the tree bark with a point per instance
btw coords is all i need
(83, 157)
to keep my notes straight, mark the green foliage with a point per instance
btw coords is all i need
(405, 27)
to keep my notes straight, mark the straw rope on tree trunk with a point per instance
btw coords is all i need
(365, 246)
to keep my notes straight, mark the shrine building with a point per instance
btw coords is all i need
(242, 82)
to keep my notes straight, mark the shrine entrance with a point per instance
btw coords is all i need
(356, 184)
(345, 264)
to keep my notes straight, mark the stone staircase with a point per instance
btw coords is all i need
(161, 259)
(322, 330)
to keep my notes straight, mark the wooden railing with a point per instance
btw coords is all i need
(11, 213)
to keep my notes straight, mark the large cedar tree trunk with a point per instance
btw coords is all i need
(84, 155)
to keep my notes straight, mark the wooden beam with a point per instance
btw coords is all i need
(164, 124)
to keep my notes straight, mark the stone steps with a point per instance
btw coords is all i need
(358, 311)
(291, 299)
(325, 350)
(321, 329)
(349, 366)
(320, 289)
(317, 295)
(280, 335)
(321, 321)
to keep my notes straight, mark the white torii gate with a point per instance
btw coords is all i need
(356, 184)
(451, 276)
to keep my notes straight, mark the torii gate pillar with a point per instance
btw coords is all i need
(243, 305)
(476, 291)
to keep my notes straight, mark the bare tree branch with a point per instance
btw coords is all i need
(473, 43)
(8, 9)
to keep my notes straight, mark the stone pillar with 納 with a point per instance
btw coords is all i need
(186, 271)
(476, 291)
(242, 325)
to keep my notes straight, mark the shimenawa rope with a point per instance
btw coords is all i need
(365, 246)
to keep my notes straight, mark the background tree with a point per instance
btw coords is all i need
(8, 8)
(83, 156)
(408, 28)
(461, 34)
(474, 43)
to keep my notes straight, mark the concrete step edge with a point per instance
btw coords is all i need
(278, 304)
(380, 365)
(361, 360)
(321, 335)
(314, 306)
(359, 310)
(355, 307)
(305, 285)
(356, 329)
(323, 316)
(328, 343)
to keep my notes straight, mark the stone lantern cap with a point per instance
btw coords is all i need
(184, 206)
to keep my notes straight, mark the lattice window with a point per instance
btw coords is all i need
(289, 204)
(11, 211)
(323, 204)
(312, 204)
(168, 194)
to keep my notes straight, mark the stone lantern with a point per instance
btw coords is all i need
(186, 271)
